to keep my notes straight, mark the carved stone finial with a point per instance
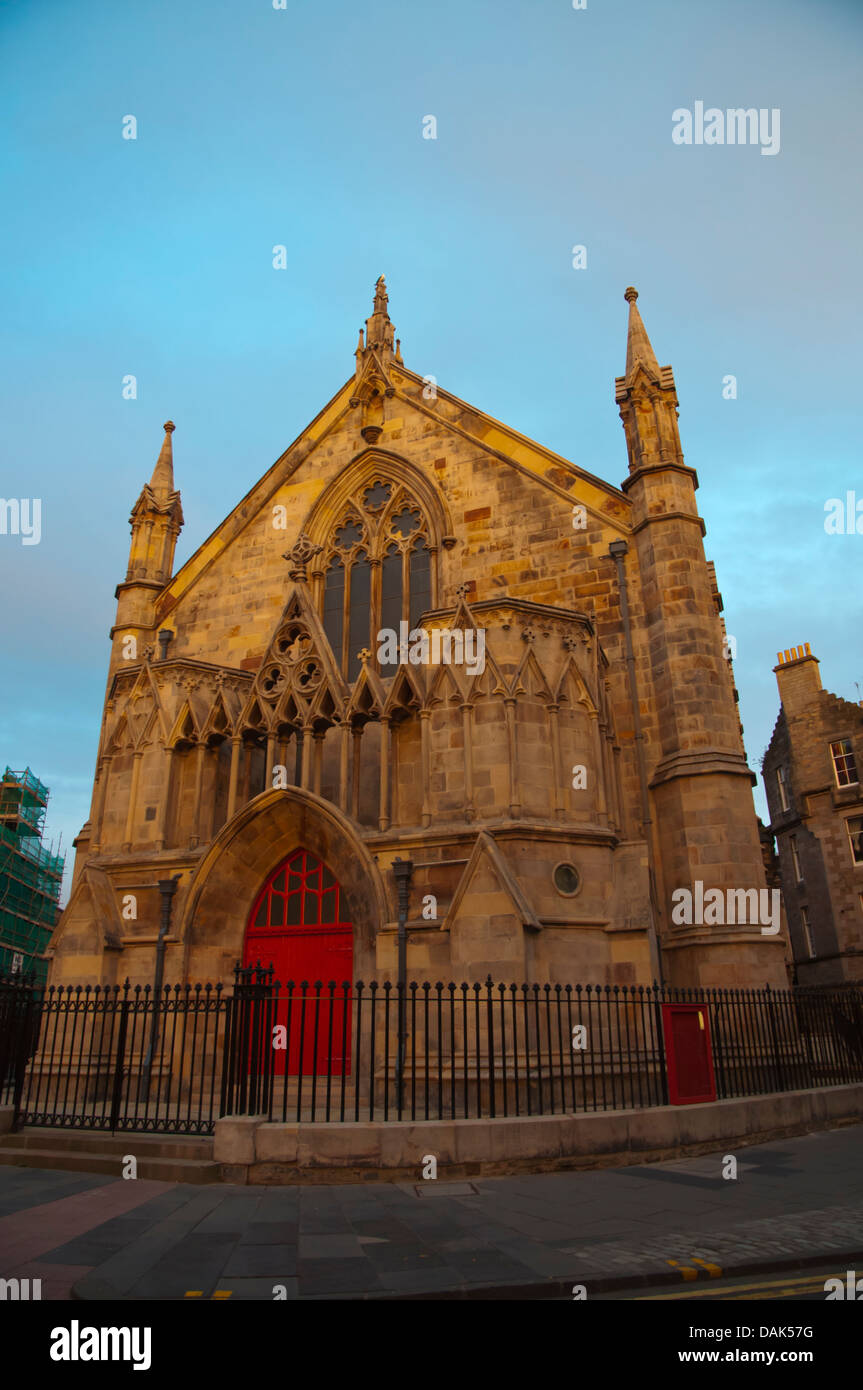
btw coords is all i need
(299, 555)
(630, 294)
(364, 655)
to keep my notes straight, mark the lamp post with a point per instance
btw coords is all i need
(617, 550)
(167, 888)
(402, 869)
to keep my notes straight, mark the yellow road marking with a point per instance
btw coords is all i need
(686, 1270)
(816, 1286)
(715, 1271)
(808, 1279)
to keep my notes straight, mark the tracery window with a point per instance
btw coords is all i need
(377, 572)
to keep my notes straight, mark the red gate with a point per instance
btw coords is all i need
(687, 1047)
(296, 924)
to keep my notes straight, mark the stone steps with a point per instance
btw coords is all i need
(164, 1159)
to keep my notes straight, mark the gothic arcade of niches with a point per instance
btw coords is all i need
(260, 742)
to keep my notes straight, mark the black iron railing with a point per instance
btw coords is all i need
(115, 1058)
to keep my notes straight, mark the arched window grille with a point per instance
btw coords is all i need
(377, 573)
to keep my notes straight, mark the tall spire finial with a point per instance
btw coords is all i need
(163, 474)
(380, 333)
(638, 348)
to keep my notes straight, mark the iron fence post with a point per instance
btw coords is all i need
(117, 1088)
(167, 889)
(402, 869)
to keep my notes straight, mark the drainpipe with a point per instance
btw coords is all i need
(167, 889)
(617, 550)
(402, 869)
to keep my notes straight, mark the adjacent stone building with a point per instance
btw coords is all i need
(569, 758)
(812, 780)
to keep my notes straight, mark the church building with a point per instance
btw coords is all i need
(423, 639)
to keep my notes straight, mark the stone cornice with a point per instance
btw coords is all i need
(677, 938)
(540, 611)
(702, 762)
(664, 466)
(136, 584)
(401, 838)
(670, 516)
(177, 665)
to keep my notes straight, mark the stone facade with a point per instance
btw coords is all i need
(249, 709)
(816, 804)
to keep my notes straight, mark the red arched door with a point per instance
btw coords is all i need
(296, 924)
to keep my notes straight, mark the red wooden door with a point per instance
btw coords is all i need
(296, 924)
(687, 1048)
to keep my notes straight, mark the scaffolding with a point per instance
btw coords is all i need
(30, 876)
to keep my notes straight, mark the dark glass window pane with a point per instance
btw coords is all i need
(294, 910)
(348, 535)
(310, 910)
(360, 599)
(566, 879)
(406, 522)
(328, 906)
(277, 910)
(374, 497)
(279, 882)
(261, 915)
(327, 879)
(391, 596)
(420, 582)
(334, 608)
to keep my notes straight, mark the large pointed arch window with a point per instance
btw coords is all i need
(377, 572)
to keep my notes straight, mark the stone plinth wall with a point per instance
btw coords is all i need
(251, 1150)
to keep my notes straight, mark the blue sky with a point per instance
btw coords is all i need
(303, 127)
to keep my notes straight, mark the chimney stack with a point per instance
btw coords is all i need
(798, 678)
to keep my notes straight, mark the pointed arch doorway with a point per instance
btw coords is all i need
(296, 924)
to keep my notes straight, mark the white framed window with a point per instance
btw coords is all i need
(854, 825)
(782, 788)
(807, 930)
(844, 763)
(795, 858)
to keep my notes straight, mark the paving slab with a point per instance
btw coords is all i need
(794, 1202)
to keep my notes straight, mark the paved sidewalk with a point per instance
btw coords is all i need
(794, 1202)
